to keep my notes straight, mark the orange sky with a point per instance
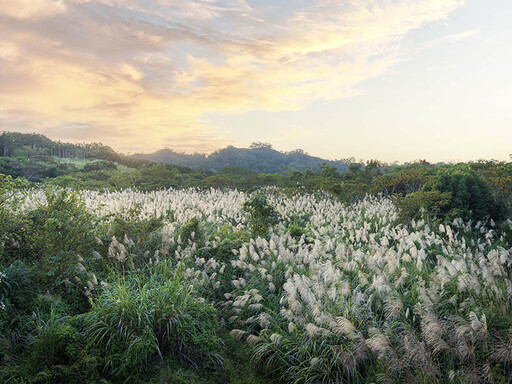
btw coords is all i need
(336, 78)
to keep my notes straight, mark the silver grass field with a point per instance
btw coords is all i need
(355, 298)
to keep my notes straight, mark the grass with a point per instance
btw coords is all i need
(350, 295)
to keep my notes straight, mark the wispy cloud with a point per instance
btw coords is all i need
(140, 74)
(453, 38)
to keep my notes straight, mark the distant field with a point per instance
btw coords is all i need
(81, 163)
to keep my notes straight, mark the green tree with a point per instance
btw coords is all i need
(470, 196)
(425, 205)
(261, 215)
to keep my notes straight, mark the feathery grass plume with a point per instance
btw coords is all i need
(502, 348)
(253, 339)
(338, 297)
(393, 306)
(345, 327)
(381, 346)
(276, 338)
(312, 330)
(238, 334)
(434, 332)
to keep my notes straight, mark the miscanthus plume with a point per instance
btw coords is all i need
(357, 291)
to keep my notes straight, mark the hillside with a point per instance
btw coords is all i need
(257, 158)
(29, 145)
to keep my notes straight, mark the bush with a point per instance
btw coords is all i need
(57, 238)
(61, 226)
(136, 228)
(139, 320)
(100, 166)
(296, 231)
(470, 197)
(230, 240)
(54, 341)
(261, 215)
(192, 231)
(8, 186)
(59, 235)
(425, 205)
(16, 285)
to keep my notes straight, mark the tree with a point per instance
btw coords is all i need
(425, 205)
(261, 215)
(406, 181)
(471, 197)
(259, 144)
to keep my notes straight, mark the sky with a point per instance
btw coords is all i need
(394, 80)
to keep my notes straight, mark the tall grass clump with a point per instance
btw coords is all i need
(142, 319)
(371, 299)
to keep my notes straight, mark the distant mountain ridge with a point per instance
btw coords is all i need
(17, 144)
(259, 157)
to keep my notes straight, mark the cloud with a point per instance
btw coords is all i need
(453, 38)
(25, 9)
(140, 74)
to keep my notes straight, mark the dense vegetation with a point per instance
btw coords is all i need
(377, 274)
(260, 157)
(470, 190)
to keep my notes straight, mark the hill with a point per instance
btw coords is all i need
(258, 158)
(16, 144)
(35, 157)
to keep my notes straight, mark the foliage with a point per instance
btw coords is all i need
(426, 205)
(137, 320)
(63, 223)
(297, 232)
(191, 231)
(130, 224)
(403, 181)
(470, 197)
(498, 176)
(16, 284)
(261, 215)
(361, 276)
(54, 341)
(8, 187)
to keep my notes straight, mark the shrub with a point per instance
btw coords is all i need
(296, 231)
(138, 320)
(192, 231)
(8, 185)
(136, 228)
(261, 215)
(425, 205)
(470, 197)
(54, 341)
(99, 166)
(16, 283)
(60, 226)
(230, 240)
(54, 353)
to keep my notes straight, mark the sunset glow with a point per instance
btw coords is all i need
(386, 79)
